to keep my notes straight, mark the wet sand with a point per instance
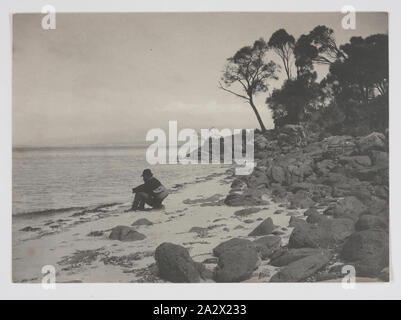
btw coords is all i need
(76, 243)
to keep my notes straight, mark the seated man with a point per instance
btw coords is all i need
(152, 192)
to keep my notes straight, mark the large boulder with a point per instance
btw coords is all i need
(338, 141)
(284, 257)
(277, 174)
(311, 211)
(295, 221)
(247, 197)
(306, 167)
(313, 190)
(236, 263)
(314, 150)
(355, 162)
(324, 167)
(234, 198)
(349, 207)
(303, 268)
(294, 174)
(267, 245)
(379, 158)
(260, 142)
(373, 141)
(278, 192)
(337, 146)
(292, 134)
(125, 233)
(258, 179)
(265, 228)
(382, 191)
(175, 264)
(368, 251)
(376, 174)
(334, 178)
(302, 186)
(229, 244)
(301, 200)
(339, 229)
(368, 221)
(326, 233)
(238, 184)
(343, 186)
(316, 217)
(376, 206)
(310, 236)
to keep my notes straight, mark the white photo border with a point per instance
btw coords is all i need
(265, 291)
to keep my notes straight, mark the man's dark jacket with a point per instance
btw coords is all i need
(148, 186)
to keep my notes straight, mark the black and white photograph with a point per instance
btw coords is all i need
(204, 147)
(95, 200)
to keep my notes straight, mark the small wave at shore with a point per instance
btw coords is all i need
(78, 210)
(48, 212)
(54, 180)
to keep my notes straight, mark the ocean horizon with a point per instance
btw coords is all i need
(58, 179)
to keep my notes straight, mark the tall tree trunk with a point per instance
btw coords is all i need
(262, 126)
(287, 68)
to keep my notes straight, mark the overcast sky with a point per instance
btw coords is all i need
(109, 78)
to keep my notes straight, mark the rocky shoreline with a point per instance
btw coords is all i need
(310, 207)
(341, 185)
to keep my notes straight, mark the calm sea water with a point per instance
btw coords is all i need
(56, 178)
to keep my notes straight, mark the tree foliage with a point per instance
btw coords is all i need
(283, 45)
(294, 100)
(354, 92)
(318, 46)
(249, 69)
(362, 73)
(351, 99)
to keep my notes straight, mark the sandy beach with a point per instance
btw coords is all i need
(76, 243)
(282, 223)
(212, 147)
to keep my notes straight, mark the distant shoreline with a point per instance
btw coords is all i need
(47, 212)
(78, 147)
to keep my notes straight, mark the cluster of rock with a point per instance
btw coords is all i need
(236, 260)
(341, 181)
(176, 265)
(129, 233)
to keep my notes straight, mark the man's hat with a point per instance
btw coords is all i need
(147, 173)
